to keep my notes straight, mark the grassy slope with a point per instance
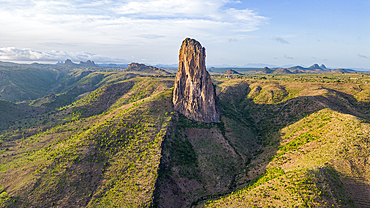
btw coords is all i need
(108, 159)
(19, 83)
(77, 84)
(11, 112)
(31, 114)
(305, 168)
(313, 154)
(48, 88)
(104, 150)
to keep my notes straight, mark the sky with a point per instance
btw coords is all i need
(235, 33)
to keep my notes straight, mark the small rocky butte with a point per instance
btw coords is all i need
(194, 94)
(136, 67)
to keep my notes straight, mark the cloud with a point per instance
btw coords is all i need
(288, 57)
(189, 9)
(26, 54)
(135, 18)
(116, 27)
(362, 56)
(280, 40)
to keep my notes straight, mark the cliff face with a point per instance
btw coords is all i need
(194, 94)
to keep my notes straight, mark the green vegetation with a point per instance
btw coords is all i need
(109, 138)
(310, 145)
(102, 150)
(26, 83)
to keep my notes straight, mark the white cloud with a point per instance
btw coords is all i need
(26, 54)
(113, 27)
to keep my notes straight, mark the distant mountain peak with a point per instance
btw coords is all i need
(265, 70)
(315, 66)
(88, 63)
(68, 62)
(282, 71)
(231, 71)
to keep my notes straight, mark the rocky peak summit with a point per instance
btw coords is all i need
(315, 66)
(88, 63)
(136, 67)
(68, 62)
(194, 94)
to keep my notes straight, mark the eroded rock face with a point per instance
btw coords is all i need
(194, 94)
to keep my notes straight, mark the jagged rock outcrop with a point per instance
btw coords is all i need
(194, 94)
(68, 62)
(136, 67)
(88, 63)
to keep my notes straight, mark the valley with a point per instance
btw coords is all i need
(96, 137)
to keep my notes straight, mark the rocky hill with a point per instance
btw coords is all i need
(265, 70)
(69, 64)
(315, 67)
(88, 64)
(135, 67)
(230, 72)
(282, 71)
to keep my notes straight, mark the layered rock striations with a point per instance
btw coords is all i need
(194, 94)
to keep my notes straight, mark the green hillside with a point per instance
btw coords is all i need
(11, 113)
(314, 145)
(92, 161)
(19, 83)
(73, 86)
(95, 138)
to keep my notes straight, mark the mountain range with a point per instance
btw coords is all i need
(315, 68)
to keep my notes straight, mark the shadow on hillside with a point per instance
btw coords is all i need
(239, 111)
(268, 119)
(358, 190)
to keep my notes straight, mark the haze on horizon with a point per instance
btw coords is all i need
(238, 33)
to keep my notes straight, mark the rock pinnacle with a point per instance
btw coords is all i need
(194, 94)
